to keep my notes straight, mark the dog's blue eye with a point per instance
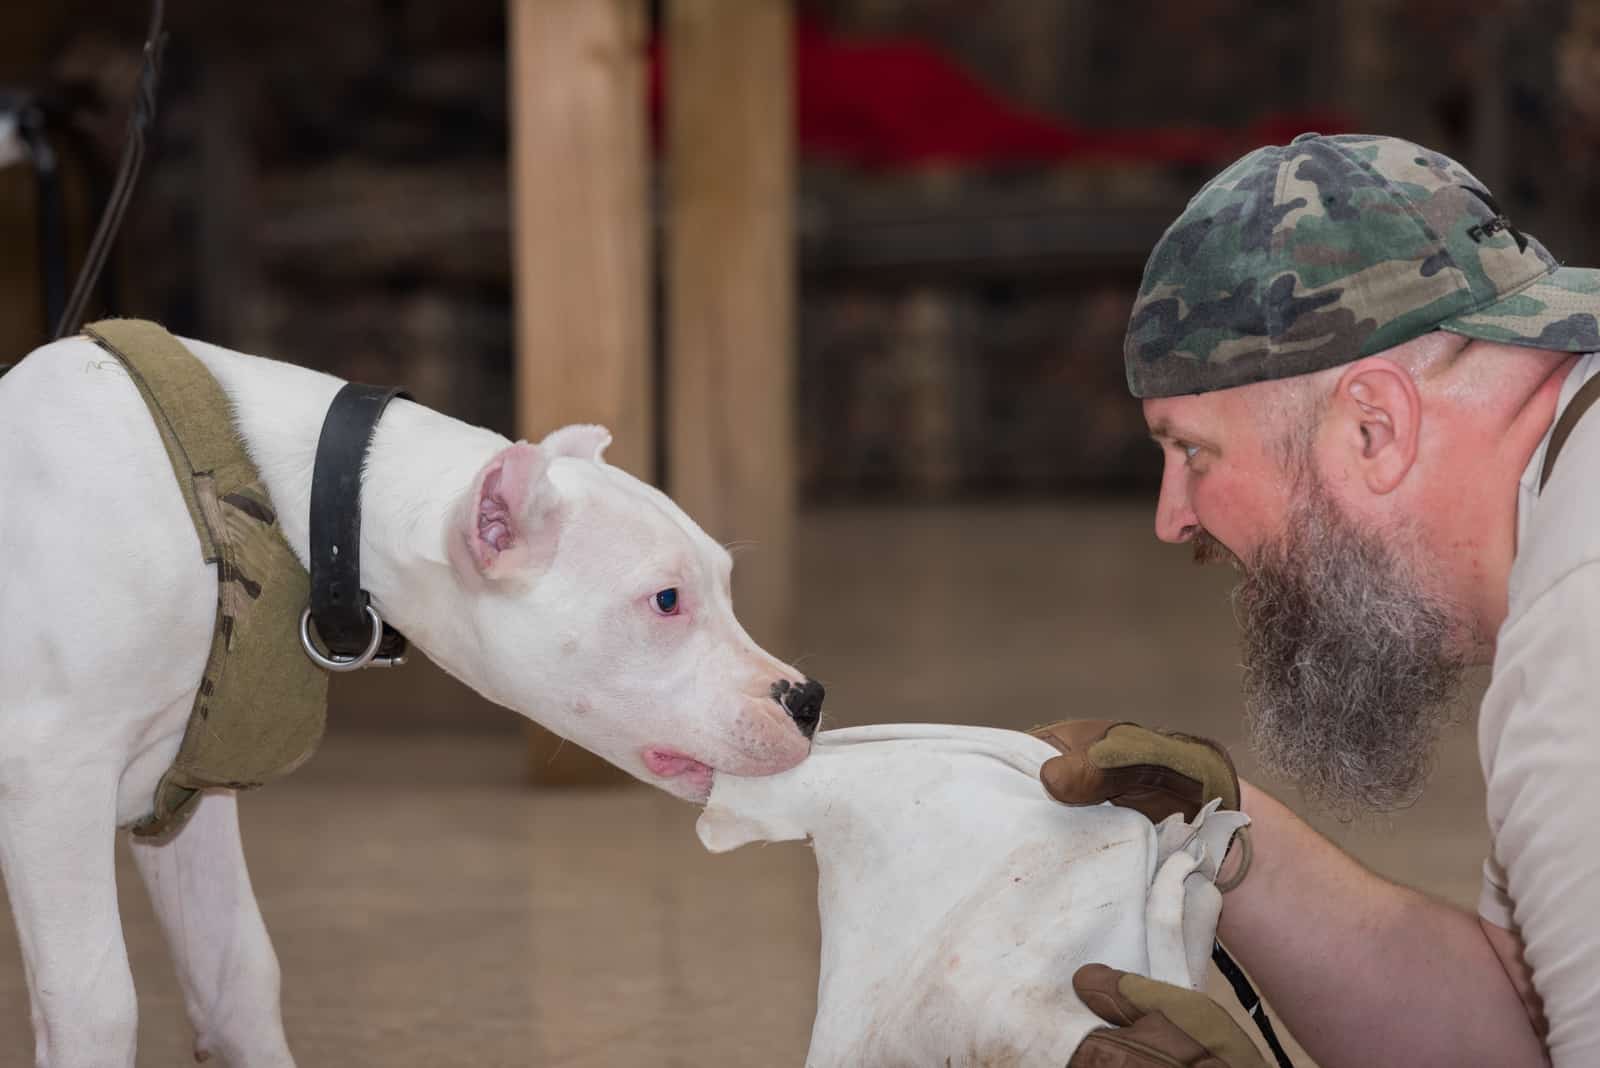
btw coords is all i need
(667, 602)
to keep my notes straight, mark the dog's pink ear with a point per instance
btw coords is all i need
(511, 524)
(581, 441)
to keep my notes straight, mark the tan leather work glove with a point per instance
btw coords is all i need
(1156, 773)
(1156, 1025)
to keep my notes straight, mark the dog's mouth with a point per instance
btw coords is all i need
(692, 778)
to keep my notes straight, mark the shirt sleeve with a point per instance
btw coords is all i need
(1494, 902)
(1539, 737)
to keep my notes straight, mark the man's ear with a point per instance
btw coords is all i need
(511, 522)
(1380, 419)
(581, 441)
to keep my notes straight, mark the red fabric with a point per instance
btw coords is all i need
(896, 102)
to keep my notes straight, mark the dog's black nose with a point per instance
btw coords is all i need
(803, 703)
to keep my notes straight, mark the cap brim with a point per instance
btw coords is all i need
(1559, 311)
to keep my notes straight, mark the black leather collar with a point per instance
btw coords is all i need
(340, 608)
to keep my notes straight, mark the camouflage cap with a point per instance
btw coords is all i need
(1305, 256)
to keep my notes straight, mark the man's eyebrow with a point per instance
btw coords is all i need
(1161, 432)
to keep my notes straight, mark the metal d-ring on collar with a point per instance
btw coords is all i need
(365, 658)
(347, 624)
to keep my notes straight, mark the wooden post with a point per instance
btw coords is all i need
(580, 247)
(730, 289)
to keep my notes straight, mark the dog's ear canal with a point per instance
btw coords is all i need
(510, 526)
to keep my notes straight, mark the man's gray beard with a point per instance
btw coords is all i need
(1350, 664)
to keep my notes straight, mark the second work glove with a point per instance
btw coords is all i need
(1155, 773)
(1156, 1025)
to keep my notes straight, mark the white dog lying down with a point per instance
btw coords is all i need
(957, 898)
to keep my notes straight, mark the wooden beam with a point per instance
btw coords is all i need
(580, 244)
(580, 247)
(730, 289)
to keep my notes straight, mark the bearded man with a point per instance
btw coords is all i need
(1361, 376)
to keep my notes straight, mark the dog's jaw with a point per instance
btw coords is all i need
(681, 774)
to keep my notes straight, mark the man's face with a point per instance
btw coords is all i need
(1221, 481)
(1350, 659)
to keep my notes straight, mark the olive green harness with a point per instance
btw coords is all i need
(262, 704)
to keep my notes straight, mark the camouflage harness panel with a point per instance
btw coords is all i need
(261, 706)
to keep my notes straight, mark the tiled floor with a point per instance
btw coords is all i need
(429, 910)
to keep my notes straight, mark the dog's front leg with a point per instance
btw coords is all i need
(57, 852)
(201, 891)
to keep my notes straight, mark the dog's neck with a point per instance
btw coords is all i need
(409, 496)
(411, 504)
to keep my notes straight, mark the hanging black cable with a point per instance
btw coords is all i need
(139, 123)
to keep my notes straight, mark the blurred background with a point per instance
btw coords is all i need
(847, 277)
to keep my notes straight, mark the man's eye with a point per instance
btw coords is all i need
(1191, 451)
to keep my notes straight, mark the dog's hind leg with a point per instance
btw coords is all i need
(201, 891)
(57, 852)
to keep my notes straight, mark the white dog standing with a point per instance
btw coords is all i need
(537, 574)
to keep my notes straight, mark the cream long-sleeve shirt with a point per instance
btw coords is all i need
(1539, 739)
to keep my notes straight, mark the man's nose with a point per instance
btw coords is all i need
(802, 702)
(1175, 520)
